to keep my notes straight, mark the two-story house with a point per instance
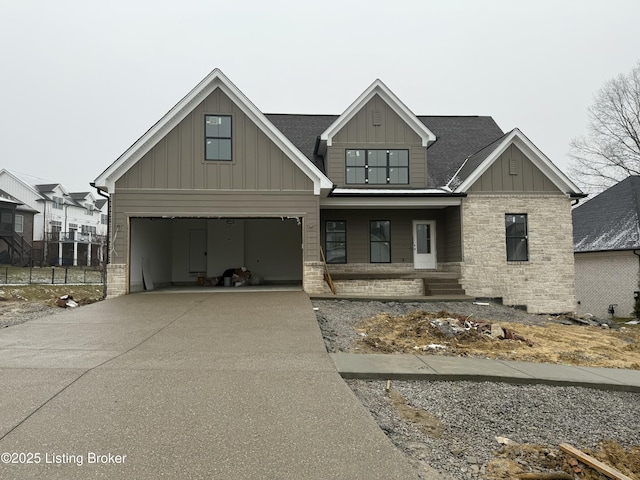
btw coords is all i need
(396, 203)
(68, 228)
(16, 230)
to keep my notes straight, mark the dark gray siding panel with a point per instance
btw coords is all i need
(525, 178)
(450, 241)
(393, 132)
(447, 232)
(177, 160)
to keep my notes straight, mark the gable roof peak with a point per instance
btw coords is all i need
(214, 80)
(379, 88)
(477, 164)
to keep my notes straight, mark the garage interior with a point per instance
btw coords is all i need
(178, 252)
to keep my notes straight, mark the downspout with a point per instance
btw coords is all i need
(636, 294)
(106, 260)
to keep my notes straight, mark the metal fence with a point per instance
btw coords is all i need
(10, 275)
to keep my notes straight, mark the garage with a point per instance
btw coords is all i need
(166, 252)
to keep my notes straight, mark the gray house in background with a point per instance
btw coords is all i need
(606, 232)
(400, 204)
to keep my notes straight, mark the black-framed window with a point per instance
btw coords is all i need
(516, 227)
(217, 137)
(335, 240)
(377, 167)
(58, 202)
(380, 241)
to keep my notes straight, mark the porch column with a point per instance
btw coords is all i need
(75, 254)
(89, 247)
(59, 253)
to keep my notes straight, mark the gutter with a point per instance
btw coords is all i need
(102, 194)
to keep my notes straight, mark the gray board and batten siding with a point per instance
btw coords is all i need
(448, 228)
(391, 133)
(513, 172)
(173, 179)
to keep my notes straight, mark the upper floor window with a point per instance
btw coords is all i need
(19, 223)
(517, 237)
(57, 202)
(104, 219)
(377, 167)
(217, 137)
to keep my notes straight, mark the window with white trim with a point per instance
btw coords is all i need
(19, 223)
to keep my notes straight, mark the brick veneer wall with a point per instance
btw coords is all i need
(393, 287)
(545, 284)
(116, 280)
(313, 277)
(606, 278)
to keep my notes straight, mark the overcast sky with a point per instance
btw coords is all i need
(82, 80)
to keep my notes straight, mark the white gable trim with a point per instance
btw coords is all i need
(216, 79)
(25, 184)
(379, 88)
(539, 159)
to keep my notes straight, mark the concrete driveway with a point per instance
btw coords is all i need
(225, 385)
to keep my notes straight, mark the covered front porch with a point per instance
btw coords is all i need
(399, 251)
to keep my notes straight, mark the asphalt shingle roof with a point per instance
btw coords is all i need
(457, 139)
(609, 221)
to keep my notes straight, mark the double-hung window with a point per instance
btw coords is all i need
(217, 137)
(377, 167)
(19, 223)
(517, 237)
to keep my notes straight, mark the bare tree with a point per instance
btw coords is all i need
(610, 151)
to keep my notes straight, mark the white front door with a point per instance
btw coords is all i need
(424, 244)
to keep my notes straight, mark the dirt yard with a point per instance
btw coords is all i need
(19, 304)
(444, 333)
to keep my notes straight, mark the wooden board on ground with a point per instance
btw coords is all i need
(593, 462)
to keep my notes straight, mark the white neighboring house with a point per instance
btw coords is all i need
(70, 228)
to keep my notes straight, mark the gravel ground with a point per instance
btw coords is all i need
(14, 313)
(473, 414)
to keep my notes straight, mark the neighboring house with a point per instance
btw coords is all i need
(606, 232)
(16, 230)
(67, 228)
(400, 203)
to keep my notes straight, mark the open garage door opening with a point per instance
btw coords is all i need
(167, 252)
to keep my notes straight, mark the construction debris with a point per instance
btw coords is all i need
(66, 301)
(593, 462)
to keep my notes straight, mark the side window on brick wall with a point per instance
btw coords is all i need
(517, 237)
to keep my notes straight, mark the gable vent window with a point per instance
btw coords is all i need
(217, 137)
(377, 119)
(513, 166)
(377, 167)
